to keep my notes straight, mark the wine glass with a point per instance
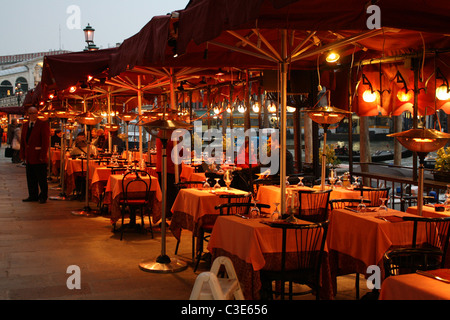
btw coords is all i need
(300, 182)
(339, 182)
(206, 184)
(361, 206)
(383, 208)
(275, 214)
(332, 181)
(287, 181)
(447, 198)
(217, 185)
(254, 211)
(228, 177)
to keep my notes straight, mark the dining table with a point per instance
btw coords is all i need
(75, 167)
(55, 160)
(357, 240)
(193, 207)
(428, 210)
(114, 192)
(253, 245)
(429, 285)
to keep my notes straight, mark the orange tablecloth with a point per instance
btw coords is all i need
(55, 160)
(258, 246)
(113, 193)
(192, 204)
(428, 211)
(76, 167)
(415, 287)
(365, 237)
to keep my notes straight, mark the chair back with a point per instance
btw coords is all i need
(260, 182)
(437, 233)
(374, 195)
(304, 264)
(189, 184)
(238, 208)
(313, 205)
(132, 181)
(119, 170)
(409, 260)
(237, 198)
(342, 203)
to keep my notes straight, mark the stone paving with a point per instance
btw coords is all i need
(38, 242)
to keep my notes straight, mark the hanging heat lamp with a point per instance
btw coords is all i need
(421, 141)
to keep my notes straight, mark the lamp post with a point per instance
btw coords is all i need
(19, 93)
(89, 38)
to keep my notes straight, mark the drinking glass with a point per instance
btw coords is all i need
(206, 184)
(383, 208)
(361, 206)
(254, 211)
(217, 185)
(228, 177)
(447, 199)
(275, 214)
(300, 183)
(339, 182)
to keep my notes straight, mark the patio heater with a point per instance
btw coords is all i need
(88, 119)
(326, 116)
(163, 129)
(421, 141)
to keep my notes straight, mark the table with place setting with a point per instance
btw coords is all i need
(193, 205)
(114, 192)
(357, 240)
(254, 246)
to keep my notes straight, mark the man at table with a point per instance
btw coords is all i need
(80, 147)
(34, 145)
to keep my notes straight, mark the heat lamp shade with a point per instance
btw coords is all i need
(163, 128)
(88, 118)
(127, 117)
(327, 115)
(422, 140)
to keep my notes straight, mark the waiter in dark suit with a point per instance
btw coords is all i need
(34, 146)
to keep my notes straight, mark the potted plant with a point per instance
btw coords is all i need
(442, 166)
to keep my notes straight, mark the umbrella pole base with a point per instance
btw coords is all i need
(86, 212)
(163, 264)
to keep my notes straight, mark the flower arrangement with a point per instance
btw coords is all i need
(442, 166)
(332, 160)
(443, 160)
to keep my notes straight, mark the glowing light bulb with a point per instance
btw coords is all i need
(369, 96)
(442, 93)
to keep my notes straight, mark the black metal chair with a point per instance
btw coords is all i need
(302, 266)
(409, 260)
(135, 200)
(313, 205)
(374, 195)
(433, 235)
(437, 233)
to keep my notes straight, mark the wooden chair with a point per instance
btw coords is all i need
(313, 205)
(263, 182)
(409, 260)
(135, 200)
(302, 266)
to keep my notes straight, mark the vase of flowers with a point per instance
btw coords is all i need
(442, 166)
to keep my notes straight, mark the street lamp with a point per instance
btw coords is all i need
(89, 38)
(19, 93)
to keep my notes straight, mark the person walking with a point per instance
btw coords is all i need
(34, 145)
(15, 145)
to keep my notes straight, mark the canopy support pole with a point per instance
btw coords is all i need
(283, 75)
